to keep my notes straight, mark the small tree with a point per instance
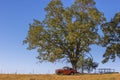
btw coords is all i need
(111, 39)
(95, 65)
(65, 33)
(87, 64)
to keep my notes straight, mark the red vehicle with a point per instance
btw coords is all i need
(66, 71)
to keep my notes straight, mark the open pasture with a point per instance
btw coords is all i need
(59, 77)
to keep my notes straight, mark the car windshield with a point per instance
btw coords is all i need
(65, 68)
(71, 69)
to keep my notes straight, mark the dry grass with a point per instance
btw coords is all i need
(61, 77)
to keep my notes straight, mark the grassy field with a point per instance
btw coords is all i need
(57, 77)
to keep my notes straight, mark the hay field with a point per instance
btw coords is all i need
(57, 77)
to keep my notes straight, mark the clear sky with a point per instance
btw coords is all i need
(15, 17)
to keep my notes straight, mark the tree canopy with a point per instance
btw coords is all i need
(111, 38)
(66, 32)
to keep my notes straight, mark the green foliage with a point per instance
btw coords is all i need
(65, 33)
(86, 63)
(111, 39)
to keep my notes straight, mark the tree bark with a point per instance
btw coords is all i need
(82, 69)
(74, 65)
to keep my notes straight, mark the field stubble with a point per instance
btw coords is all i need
(59, 77)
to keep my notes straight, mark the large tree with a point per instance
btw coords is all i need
(66, 32)
(111, 38)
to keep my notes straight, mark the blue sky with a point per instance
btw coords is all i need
(15, 17)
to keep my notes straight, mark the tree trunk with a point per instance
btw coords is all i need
(73, 61)
(88, 70)
(82, 69)
(74, 65)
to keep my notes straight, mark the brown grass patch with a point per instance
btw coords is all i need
(59, 77)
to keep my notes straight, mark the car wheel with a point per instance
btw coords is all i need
(59, 73)
(71, 73)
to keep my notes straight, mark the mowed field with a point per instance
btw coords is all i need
(59, 77)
